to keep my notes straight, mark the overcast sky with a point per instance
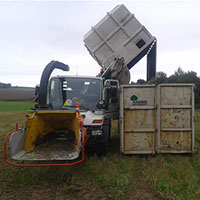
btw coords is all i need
(34, 33)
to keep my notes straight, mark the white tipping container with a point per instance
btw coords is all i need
(118, 34)
(157, 119)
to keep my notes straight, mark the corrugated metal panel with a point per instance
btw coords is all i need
(175, 142)
(137, 143)
(176, 119)
(138, 119)
(157, 118)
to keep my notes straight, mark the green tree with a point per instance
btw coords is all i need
(161, 77)
(140, 81)
(180, 76)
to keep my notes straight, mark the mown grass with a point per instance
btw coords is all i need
(15, 106)
(112, 177)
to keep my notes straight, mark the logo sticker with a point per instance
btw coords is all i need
(135, 101)
(134, 98)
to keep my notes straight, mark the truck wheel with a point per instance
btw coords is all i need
(102, 147)
(99, 144)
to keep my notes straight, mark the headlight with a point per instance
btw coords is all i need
(97, 132)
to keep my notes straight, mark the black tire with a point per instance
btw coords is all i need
(98, 145)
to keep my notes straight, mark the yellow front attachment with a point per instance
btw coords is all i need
(45, 126)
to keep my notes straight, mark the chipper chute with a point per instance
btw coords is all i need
(50, 137)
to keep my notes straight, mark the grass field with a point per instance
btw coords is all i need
(173, 177)
(15, 106)
(16, 94)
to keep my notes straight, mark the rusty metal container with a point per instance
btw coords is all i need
(157, 119)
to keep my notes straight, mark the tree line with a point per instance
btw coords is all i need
(5, 85)
(179, 76)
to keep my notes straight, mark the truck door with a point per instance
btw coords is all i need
(111, 97)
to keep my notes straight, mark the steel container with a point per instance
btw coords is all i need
(157, 119)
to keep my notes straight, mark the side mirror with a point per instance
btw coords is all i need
(111, 86)
(36, 96)
(37, 88)
(108, 85)
(113, 91)
(113, 94)
(101, 104)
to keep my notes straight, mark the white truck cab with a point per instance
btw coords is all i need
(97, 100)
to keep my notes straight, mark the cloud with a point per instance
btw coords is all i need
(34, 33)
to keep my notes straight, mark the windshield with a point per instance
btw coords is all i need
(68, 92)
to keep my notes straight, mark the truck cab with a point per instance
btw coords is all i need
(97, 100)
